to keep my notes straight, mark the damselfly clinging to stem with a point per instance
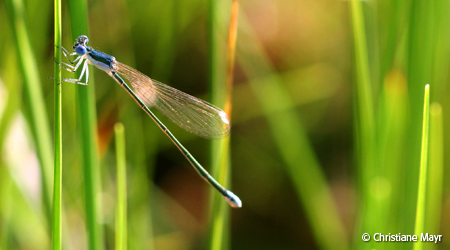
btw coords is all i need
(192, 114)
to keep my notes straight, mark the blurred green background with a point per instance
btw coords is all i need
(326, 122)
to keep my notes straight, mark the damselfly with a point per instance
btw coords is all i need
(194, 115)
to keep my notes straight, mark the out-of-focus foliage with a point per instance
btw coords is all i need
(299, 160)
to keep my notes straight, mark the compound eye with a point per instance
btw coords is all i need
(83, 39)
(80, 50)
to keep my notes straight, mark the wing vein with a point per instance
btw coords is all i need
(192, 114)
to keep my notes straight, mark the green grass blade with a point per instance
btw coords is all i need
(88, 123)
(57, 180)
(435, 173)
(222, 94)
(219, 209)
(121, 204)
(35, 105)
(365, 121)
(420, 209)
(220, 156)
(421, 62)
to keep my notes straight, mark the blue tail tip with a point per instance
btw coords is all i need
(233, 199)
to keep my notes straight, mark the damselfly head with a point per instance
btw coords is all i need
(80, 45)
(81, 41)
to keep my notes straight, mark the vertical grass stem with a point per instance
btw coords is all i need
(121, 204)
(88, 123)
(222, 95)
(35, 105)
(57, 180)
(420, 208)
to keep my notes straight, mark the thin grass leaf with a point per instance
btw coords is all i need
(435, 173)
(88, 123)
(420, 208)
(365, 123)
(222, 95)
(35, 105)
(420, 61)
(57, 180)
(121, 204)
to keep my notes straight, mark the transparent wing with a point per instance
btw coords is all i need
(194, 115)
